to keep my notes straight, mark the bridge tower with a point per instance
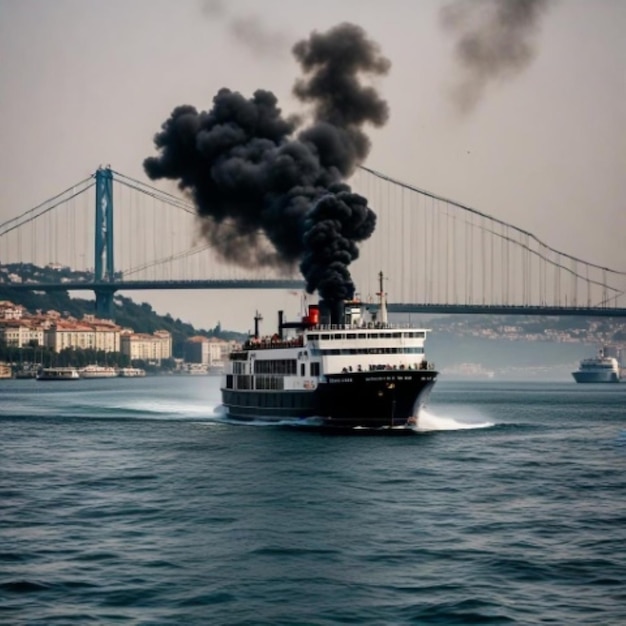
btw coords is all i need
(104, 260)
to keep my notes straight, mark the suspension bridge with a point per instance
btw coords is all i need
(110, 232)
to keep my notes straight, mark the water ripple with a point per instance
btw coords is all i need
(143, 507)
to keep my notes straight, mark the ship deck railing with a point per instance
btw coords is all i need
(275, 342)
(270, 343)
(365, 326)
(378, 367)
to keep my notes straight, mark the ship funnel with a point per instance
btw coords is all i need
(257, 318)
(280, 323)
(313, 317)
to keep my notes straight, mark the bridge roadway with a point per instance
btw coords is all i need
(294, 284)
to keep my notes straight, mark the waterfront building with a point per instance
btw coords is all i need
(210, 351)
(196, 350)
(64, 334)
(19, 333)
(87, 334)
(151, 348)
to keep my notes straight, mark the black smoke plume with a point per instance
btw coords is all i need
(271, 192)
(248, 30)
(494, 40)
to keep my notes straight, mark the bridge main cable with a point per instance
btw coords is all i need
(486, 216)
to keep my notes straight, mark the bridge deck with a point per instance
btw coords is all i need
(294, 284)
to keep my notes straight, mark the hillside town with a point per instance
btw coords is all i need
(583, 330)
(54, 332)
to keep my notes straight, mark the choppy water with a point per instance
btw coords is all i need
(133, 501)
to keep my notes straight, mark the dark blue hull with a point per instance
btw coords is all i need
(595, 377)
(372, 399)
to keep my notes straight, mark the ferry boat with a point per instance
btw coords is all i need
(131, 372)
(24, 373)
(58, 373)
(337, 367)
(599, 369)
(97, 371)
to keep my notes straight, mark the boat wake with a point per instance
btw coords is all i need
(221, 415)
(153, 409)
(428, 422)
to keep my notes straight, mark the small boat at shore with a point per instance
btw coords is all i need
(97, 371)
(58, 373)
(25, 373)
(131, 372)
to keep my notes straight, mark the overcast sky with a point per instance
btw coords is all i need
(540, 143)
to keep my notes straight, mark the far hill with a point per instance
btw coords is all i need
(140, 317)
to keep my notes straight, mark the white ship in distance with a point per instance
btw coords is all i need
(598, 369)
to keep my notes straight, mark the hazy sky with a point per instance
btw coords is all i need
(540, 143)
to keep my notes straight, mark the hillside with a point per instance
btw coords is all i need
(140, 317)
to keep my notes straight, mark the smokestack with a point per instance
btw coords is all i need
(257, 318)
(332, 312)
(280, 323)
(270, 193)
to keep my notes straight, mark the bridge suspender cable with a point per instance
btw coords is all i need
(488, 217)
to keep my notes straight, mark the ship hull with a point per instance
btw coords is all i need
(269, 405)
(373, 399)
(595, 377)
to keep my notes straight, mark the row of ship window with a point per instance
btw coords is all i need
(285, 368)
(352, 351)
(413, 334)
(289, 367)
(276, 383)
(296, 400)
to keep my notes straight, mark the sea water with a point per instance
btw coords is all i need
(135, 501)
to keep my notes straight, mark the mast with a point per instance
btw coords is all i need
(257, 318)
(382, 300)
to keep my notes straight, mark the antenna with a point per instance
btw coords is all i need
(382, 299)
